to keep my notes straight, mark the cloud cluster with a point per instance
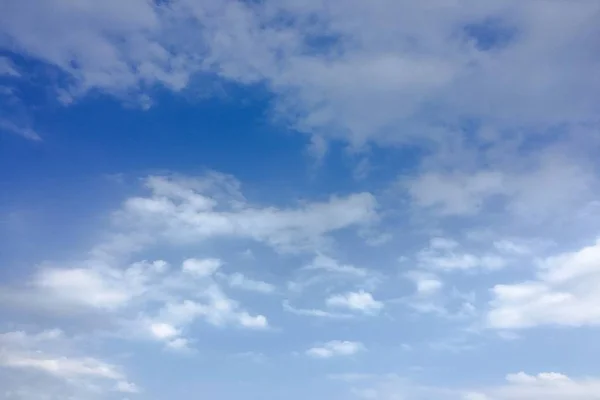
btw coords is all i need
(383, 70)
(190, 210)
(564, 292)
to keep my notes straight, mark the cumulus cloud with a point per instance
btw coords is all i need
(159, 301)
(335, 348)
(563, 293)
(147, 299)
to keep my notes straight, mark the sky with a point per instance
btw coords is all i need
(227, 199)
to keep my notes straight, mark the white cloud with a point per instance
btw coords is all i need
(356, 301)
(62, 367)
(238, 280)
(217, 309)
(20, 130)
(7, 68)
(201, 268)
(178, 344)
(563, 293)
(146, 299)
(426, 284)
(391, 64)
(327, 273)
(456, 194)
(324, 263)
(510, 247)
(97, 286)
(445, 255)
(127, 387)
(551, 182)
(520, 386)
(550, 385)
(163, 331)
(181, 210)
(335, 348)
(314, 312)
(49, 352)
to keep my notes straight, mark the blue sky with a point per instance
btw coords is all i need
(383, 200)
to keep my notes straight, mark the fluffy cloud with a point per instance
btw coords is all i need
(356, 71)
(148, 299)
(201, 268)
(355, 301)
(186, 210)
(335, 348)
(563, 293)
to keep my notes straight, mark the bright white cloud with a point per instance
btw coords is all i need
(147, 299)
(201, 268)
(563, 293)
(335, 348)
(181, 210)
(376, 71)
(356, 301)
(426, 284)
(163, 331)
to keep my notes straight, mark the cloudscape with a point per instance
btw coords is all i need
(299, 199)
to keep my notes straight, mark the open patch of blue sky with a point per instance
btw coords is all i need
(299, 199)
